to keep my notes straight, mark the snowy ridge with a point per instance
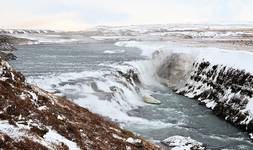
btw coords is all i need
(24, 31)
(173, 31)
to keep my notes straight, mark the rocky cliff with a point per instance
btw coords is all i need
(227, 91)
(31, 118)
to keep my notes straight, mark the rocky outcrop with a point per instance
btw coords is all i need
(31, 118)
(225, 90)
(7, 56)
(184, 143)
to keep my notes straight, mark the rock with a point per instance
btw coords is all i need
(184, 143)
(151, 100)
(131, 76)
(174, 68)
(7, 56)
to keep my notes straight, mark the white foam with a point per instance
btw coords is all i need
(114, 51)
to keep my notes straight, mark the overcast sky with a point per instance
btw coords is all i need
(81, 14)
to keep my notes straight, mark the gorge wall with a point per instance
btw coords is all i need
(227, 91)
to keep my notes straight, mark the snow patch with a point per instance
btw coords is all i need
(133, 141)
(54, 137)
(249, 106)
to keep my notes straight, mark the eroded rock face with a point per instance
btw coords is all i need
(225, 90)
(175, 68)
(33, 118)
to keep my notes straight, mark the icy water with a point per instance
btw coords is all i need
(88, 75)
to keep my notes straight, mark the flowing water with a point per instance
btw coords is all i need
(89, 75)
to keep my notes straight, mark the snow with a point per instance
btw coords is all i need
(212, 54)
(60, 117)
(133, 141)
(117, 130)
(34, 96)
(251, 135)
(249, 106)
(22, 131)
(128, 148)
(42, 108)
(210, 104)
(12, 131)
(118, 137)
(213, 34)
(23, 96)
(54, 137)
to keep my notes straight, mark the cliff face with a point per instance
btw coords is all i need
(225, 90)
(31, 118)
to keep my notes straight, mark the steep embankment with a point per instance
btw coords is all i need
(31, 118)
(225, 90)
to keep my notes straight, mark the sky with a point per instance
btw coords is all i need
(83, 14)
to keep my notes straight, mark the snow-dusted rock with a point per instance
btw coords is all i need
(183, 143)
(227, 91)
